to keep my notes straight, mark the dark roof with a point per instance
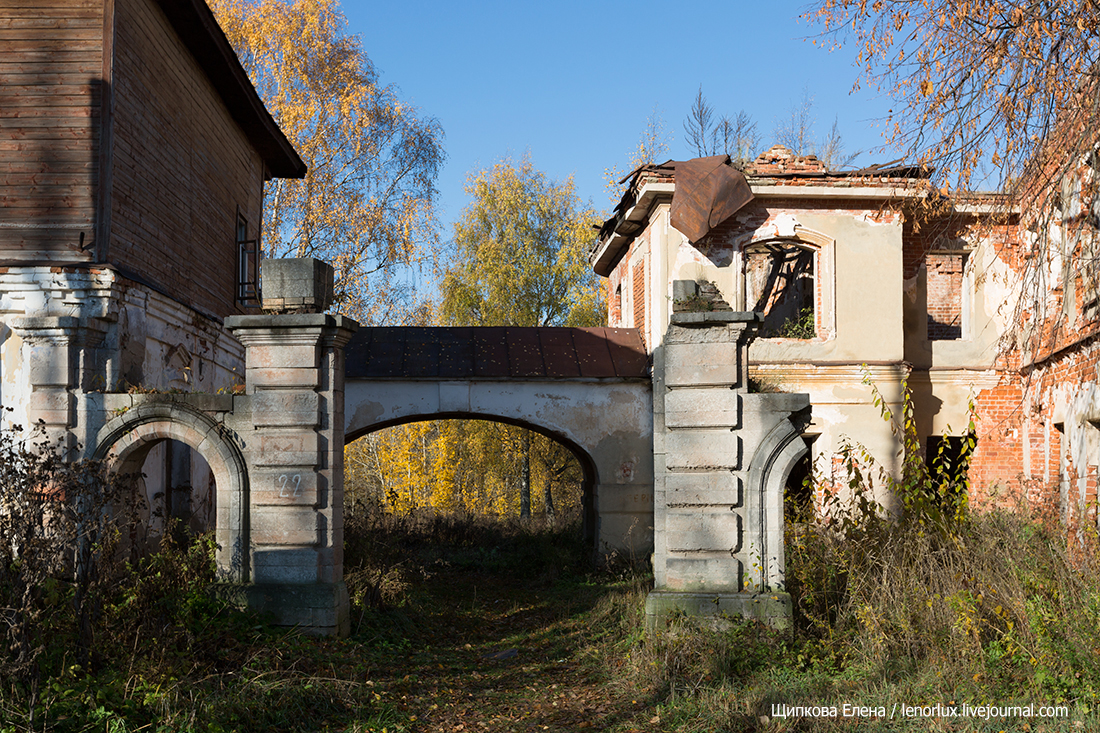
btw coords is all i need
(200, 32)
(496, 353)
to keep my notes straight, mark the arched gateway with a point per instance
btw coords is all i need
(587, 388)
(682, 460)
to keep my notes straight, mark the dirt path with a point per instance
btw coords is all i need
(485, 652)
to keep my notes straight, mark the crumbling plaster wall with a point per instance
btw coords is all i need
(860, 308)
(148, 342)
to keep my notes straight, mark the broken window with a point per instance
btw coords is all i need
(944, 272)
(248, 263)
(780, 283)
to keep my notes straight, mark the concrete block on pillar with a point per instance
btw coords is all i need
(51, 405)
(718, 609)
(289, 486)
(697, 408)
(703, 529)
(292, 449)
(701, 365)
(285, 565)
(279, 354)
(285, 526)
(48, 365)
(702, 572)
(302, 283)
(285, 408)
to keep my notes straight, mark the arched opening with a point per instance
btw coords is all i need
(798, 499)
(190, 470)
(175, 487)
(481, 465)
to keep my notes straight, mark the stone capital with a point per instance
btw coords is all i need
(59, 330)
(327, 330)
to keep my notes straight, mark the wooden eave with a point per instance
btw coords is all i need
(628, 224)
(195, 24)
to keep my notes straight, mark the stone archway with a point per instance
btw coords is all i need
(126, 439)
(607, 424)
(588, 464)
(777, 455)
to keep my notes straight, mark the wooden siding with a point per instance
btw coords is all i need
(51, 77)
(180, 167)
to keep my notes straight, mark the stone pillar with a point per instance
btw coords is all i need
(58, 358)
(721, 456)
(294, 381)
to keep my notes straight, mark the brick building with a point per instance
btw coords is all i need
(857, 273)
(133, 156)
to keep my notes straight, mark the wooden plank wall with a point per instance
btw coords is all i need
(51, 72)
(180, 167)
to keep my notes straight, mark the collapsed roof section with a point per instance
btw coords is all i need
(705, 192)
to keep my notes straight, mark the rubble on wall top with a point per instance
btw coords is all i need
(776, 166)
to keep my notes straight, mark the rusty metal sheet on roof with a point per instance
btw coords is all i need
(558, 352)
(421, 353)
(524, 353)
(708, 191)
(496, 353)
(593, 356)
(456, 352)
(490, 353)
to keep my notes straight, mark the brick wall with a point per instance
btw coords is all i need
(51, 71)
(638, 281)
(944, 288)
(181, 167)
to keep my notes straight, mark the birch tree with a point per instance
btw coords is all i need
(520, 259)
(367, 203)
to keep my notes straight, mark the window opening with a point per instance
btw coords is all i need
(944, 271)
(780, 283)
(948, 461)
(248, 264)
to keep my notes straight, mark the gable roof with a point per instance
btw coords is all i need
(195, 24)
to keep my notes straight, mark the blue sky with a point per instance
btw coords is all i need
(573, 83)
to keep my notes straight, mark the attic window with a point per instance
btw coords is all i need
(780, 283)
(248, 264)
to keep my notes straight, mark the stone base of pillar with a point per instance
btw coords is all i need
(774, 609)
(322, 609)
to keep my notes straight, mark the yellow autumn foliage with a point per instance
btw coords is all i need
(470, 466)
(367, 203)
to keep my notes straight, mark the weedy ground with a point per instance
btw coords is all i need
(465, 624)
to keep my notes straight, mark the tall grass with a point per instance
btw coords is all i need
(932, 602)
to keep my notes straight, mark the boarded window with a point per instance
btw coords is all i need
(779, 282)
(945, 288)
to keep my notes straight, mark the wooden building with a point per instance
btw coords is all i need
(133, 157)
(132, 139)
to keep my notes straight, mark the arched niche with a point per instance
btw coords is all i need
(776, 456)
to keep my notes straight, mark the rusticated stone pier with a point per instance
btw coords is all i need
(721, 458)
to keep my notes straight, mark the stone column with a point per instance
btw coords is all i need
(58, 359)
(716, 506)
(294, 381)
